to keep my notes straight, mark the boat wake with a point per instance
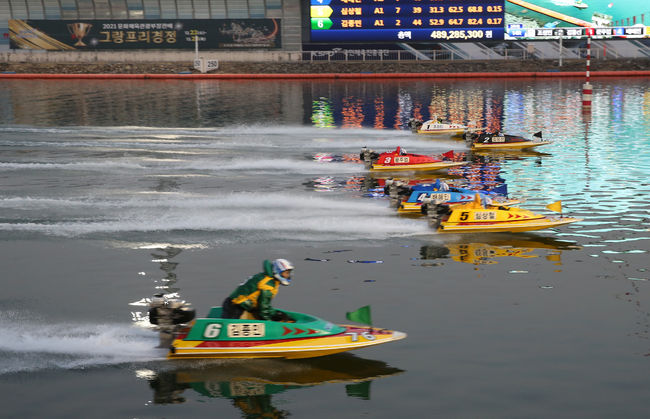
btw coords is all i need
(233, 138)
(264, 215)
(31, 346)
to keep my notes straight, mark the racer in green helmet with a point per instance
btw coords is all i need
(252, 299)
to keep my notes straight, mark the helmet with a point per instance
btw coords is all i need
(279, 266)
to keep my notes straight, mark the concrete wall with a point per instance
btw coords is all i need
(291, 26)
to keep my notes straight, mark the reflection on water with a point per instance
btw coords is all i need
(480, 173)
(163, 257)
(391, 105)
(484, 249)
(251, 384)
(322, 114)
(164, 286)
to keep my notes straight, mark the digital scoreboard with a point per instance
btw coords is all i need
(518, 31)
(406, 20)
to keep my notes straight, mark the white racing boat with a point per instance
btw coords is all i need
(437, 126)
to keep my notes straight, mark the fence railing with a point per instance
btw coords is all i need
(376, 55)
(404, 55)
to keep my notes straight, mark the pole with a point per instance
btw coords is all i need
(588, 56)
(560, 61)
(586, 88)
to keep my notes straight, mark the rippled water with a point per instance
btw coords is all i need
(112, 190)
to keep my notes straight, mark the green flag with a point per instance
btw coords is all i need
(361, 315)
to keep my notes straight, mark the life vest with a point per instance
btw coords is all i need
(267, 283)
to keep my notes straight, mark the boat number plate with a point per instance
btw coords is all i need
(246, 330)
(485, 215)
(498, 139)
(435, 196)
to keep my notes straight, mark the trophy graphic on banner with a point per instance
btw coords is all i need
(78, 31)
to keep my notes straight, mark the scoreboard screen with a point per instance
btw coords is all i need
(406, 20)
(517, 31)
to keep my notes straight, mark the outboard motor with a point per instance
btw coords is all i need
(396, 188)
(168, 314)
(414, 124)
(368, 156)
(470, 137)
(434, 211)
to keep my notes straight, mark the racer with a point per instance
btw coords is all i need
(252, 298)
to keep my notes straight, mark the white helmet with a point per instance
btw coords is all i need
(279, 266)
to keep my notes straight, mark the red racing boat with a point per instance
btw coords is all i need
(400, 160)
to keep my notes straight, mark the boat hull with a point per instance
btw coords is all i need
(433, 127)
(455, 132)
(352, 337)
(521, 145)
(415, 208)
(422, 167)
(506, 226)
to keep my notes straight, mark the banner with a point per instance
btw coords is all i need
(81, 34)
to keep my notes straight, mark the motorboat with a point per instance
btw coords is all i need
(438, 126)
(400, 160)
(475, 217)
(213, 336)
(452, 196)
(580, 5)
(500, 141)
(413, 205)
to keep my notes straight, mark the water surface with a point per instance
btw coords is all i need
(114, 190)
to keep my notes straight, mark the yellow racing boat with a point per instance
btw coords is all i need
(474, 217)
(213, 336)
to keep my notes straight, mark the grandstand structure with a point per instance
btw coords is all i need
(293, 31)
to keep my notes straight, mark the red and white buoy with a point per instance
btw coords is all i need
(586, 88)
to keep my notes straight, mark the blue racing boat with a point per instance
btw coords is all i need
(440, 193)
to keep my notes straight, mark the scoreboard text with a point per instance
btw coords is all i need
(406, 20)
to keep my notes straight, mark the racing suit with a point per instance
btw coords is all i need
(254, 296)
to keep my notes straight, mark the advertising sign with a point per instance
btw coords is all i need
(144, 34)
